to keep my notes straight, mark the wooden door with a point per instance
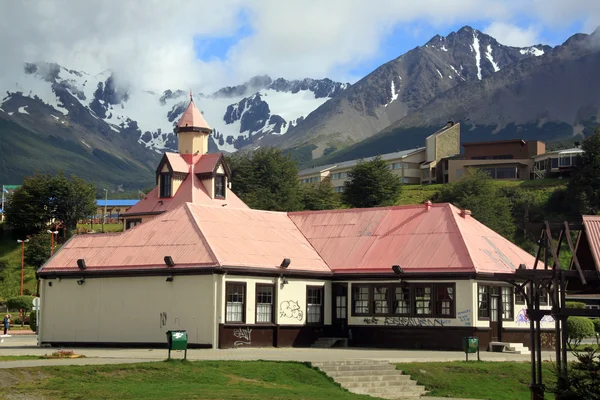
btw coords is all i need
(340, 309)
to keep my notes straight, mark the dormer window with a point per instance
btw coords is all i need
(166, 183)
(220, 186)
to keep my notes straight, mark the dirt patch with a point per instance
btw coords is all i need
(238, 379)
(12, 377)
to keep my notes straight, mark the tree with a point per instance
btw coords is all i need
(45, 198)
(37, 251)
(583, 187)
(320, 196)
(266, 180)
(24, 303)
(476, 192)
(579, 328)
(371, 184)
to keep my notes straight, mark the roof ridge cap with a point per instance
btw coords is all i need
(201, 235)
(454, 218)
(308, 241)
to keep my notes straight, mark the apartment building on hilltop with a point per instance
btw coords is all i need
(421, 165)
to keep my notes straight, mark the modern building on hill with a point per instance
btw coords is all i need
(420, 276)
(502, 159)
(555, 164)
(414, 166)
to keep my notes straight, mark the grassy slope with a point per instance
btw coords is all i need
(175, 380)
(479, 380)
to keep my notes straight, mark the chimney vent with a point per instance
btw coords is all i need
(427, 205)
(466, 214)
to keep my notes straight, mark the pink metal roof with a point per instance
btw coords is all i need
(592, 232)
(177, 162)
(192, 118)
(195, 235)
(255, 238)
(172, 234)
(192, 190)
(438, 240)
(208, 163)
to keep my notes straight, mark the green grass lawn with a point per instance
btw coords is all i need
(479, 380)
(98, 227)
(174, 380)
(17, 358)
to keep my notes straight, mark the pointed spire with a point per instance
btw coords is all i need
(191, 96)
(192, 118)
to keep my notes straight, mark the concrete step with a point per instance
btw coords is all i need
(335, 374)
(387, 392)
(374, 384)
(366, 367)
(376, 378)
(349, 362)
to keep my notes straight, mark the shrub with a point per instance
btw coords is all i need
(33, 321)
(575, 304)
(578, 328)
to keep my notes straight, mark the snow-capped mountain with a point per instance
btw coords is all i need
(401, 86)
(239, 115)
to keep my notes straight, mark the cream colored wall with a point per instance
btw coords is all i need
(289, 296)
(463, 304)
(209, 184)
(430, 148)
(192, 142)
(127, 310)
(220, 169)
(176, 185)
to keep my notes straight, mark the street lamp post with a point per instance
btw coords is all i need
(52, 233)
(105, 201)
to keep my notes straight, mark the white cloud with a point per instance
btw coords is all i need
(150, 42)
(512, 35)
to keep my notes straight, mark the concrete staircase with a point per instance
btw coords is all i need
(328, 342)
(506, 347)
(373, 378)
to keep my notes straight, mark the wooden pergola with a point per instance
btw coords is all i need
(548, 276)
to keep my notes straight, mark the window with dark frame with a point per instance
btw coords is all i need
(483, 310)
(235, 294)
(402, 301)
(166, 181)
(314, 305)
(220, 186)
(265, 304)
(422, 294)
(543, 296)
(444, 300)
(507, 303)
(380, 299)
(519, 298)
(360, 300)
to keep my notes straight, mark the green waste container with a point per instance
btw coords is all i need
(177, 340)
(470, 344)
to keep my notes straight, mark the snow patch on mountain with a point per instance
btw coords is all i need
(533, 51)
(477, 54)
(488, 55)
(394, 93)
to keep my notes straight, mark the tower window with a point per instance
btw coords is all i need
(166, 180)
(220, 186)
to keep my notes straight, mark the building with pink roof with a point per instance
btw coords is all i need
(194, 257)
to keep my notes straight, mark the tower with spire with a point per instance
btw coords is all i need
(191, 175)
(192, 131)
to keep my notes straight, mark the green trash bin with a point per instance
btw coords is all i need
(470, 344)
(177, 340)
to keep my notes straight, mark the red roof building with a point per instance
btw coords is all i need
(421, 276)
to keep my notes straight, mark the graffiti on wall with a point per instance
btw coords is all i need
(290, 309)
(410, 321)
(163, 319)
(464, 317)
(244, 335)
(371, 321)
(523, 319)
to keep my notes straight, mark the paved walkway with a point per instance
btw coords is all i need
(27, 345)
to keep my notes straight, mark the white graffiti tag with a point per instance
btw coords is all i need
(242, 333)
